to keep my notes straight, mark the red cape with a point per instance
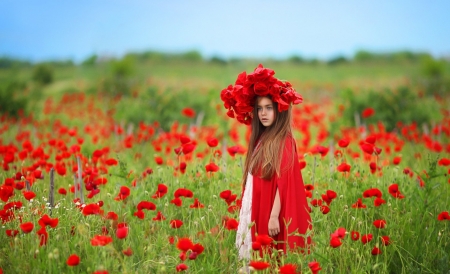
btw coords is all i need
(294, 214)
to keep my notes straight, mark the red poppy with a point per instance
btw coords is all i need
(323, 151)
(187, 148)
(288, 269)
(188, 112)
(259, 265)
(344, 167)
(231, 224)
(146, 205)
(397, 160)
(443, 216)
(46, 220)
(122, 232)
(43, 236)
(359, 204)
(385, 240)
(124, 192)
(367, 112)
(366, 238)
(159, 217)
(235, 150)
(393, 190)
(444, 162)
(212, 142)
(160, 192)
(92, 209)
(158, 160)
(316, 202)
(325, 209)
(211, 167)
(355, 235)
(309, 187)
(101, 240)
(379, 223)
(376, 251)
(184, 139)
(176, 223)
(196, 204)
(228, 196)
(73, 260)
(256, 245)
(198, 248)
(140, 214)
(12, 232)
(127, 252)
(343, 143)
(367, 148)
(112, 216)
(335, 242)
(176, 201)
(339, 233)
(183, 167)
(315, 267)
(302, 164)
(181, 267)
(111, 162)
(62, 191)
(185, 244)
(264, 239)
(101, 272)
(373, 192)
(28, 195)
(27, 227)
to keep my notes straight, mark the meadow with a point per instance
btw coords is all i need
(134, 167)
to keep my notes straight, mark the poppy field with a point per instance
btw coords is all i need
(84, 191)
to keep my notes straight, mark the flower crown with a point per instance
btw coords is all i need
(240, 98)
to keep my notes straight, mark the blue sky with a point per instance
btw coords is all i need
(57, 29)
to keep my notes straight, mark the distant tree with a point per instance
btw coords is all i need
(43, 74)
(218, 60)
(337, 60)
(295, 59)
(193, 56)
(90, 61)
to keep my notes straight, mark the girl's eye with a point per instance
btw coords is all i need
(269, 107)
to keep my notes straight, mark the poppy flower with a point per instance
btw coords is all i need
(160, 192)
(62, 191)
(335, 242)
(43, 236)
(176, 201)
(73, 260)
(127, 252)
(211, 167)
(385, 240)
(343, 143)
(46, 220)
(159, 217)
(373, 192)
(379, 223)
(256, 245)
(264, 239)
(187, 148)
(443, 216)
(325, 209)
(111, 162)
(309, 187)
(100, 272)
(12, 232)
(393, 190)
(259, 265)
(367, 112)
(101, 240)
(181, 267)
(316, 202)
(196, 204)
(344, 167)
(146, 205)
(378, 201)
(444, 162)
(159, 160)
(91, 209)
(367, 148)
(184, 139)
(27, 227)
(288, 269)
(140, 214)
(315, 267)
(397, 160)
(184, 244)
(323, 151)
(188, 112)
(359, 204)
(176, 223)
(28, 195)
(233, 150)
(366, 238)
(354, 235)
(124, 192)
(339, 233)
(212, 142)
(231, 224)
(122, 232)
(376, 251)
(183, 167)
(112, 216)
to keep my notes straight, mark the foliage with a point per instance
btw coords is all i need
(390, 107)
(12, 101)
(43, 74)
(10, 63)
(90, 61)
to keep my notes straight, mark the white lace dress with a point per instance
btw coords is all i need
(243, 235)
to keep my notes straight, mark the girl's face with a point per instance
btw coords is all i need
(266, 112)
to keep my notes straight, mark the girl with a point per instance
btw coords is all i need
(273, 200)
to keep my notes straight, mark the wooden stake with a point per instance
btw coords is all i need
(51, 198)
(80, 180)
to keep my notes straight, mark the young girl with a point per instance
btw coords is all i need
(273, 200)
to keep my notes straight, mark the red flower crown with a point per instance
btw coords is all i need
(240, 98)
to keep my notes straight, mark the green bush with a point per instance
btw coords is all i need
(43, 74)
(391, 107)
(11, 100)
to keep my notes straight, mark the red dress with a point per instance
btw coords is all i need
(294, 208)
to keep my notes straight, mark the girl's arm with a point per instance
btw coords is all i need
(274, 223)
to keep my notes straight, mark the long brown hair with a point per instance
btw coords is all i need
(266, 160)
